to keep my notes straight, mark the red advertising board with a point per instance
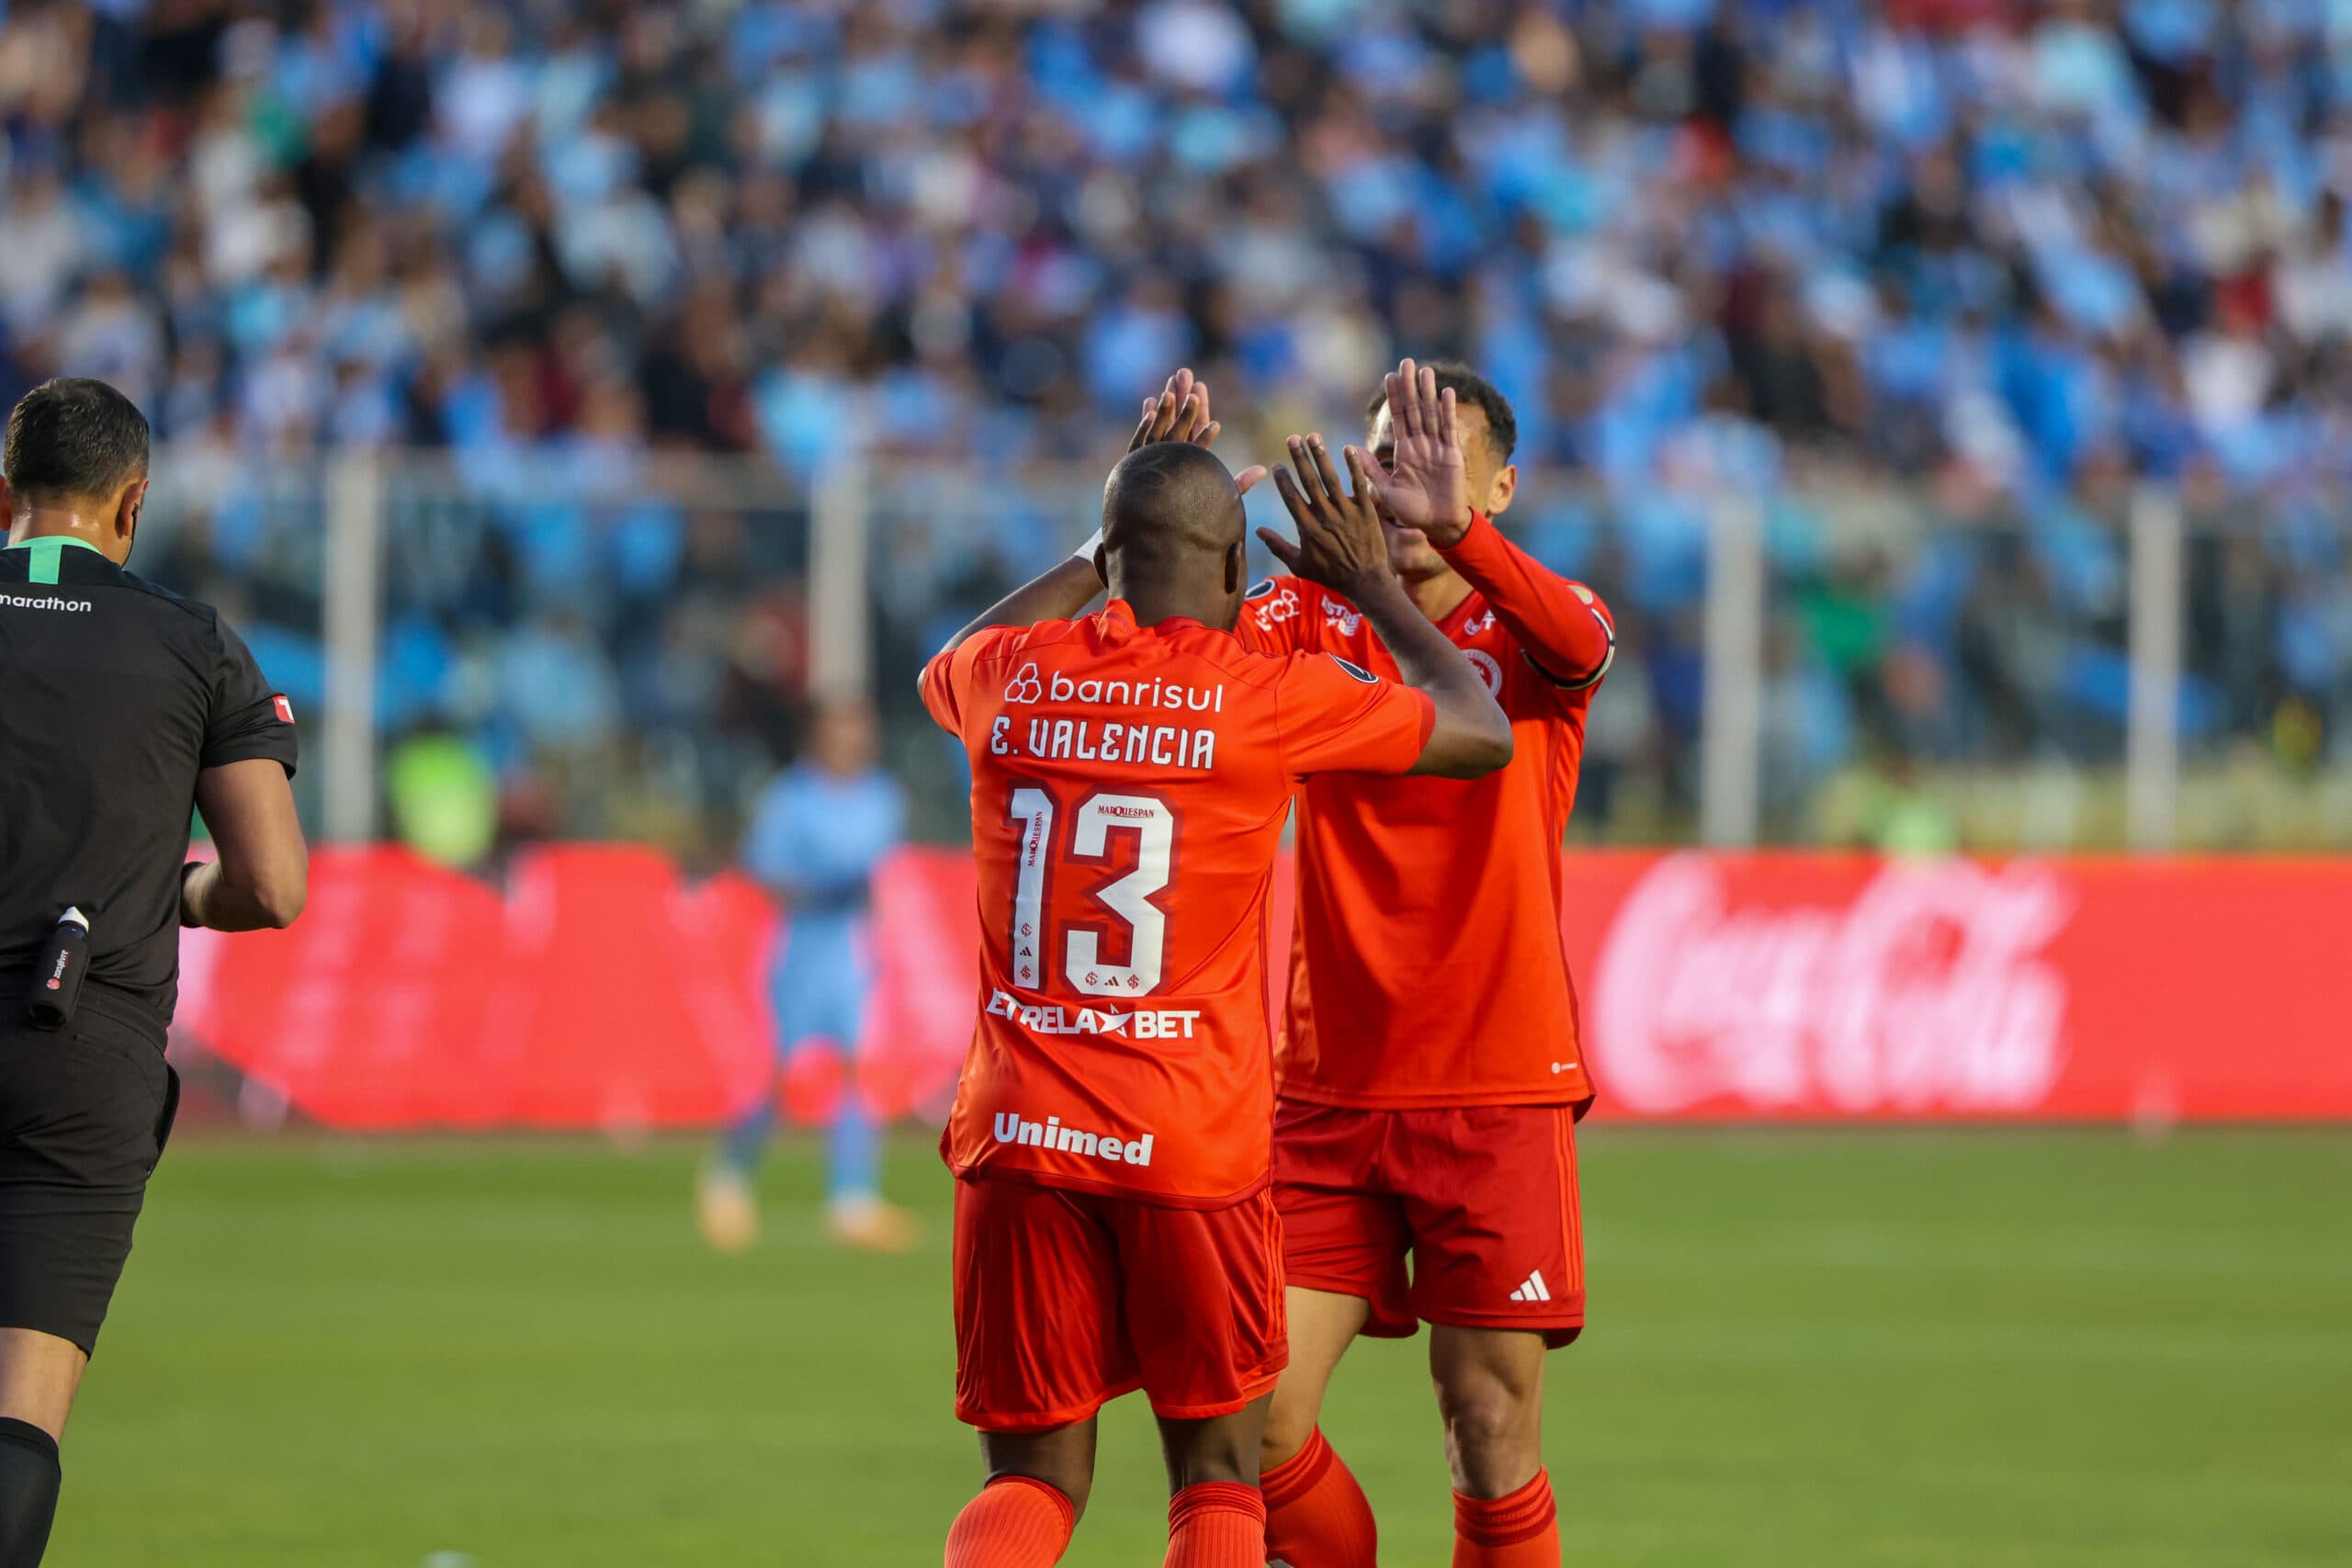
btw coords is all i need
(598, 989)
(1819, 986)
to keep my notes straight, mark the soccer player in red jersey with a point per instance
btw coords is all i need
(1111, 1134)
(1430, 1073)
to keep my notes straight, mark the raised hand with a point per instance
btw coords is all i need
(1426, 482)
(1339, 542)
(1181, 413)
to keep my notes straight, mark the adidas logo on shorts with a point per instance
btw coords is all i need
(1533, 1288)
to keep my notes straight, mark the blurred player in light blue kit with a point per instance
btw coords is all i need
(820, 828)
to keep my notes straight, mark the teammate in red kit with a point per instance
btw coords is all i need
(1112, 1132)
(1430, 1072)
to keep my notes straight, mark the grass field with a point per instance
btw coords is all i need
(1973, 1349)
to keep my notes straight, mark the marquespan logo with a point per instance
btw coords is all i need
(1489, 670)
(1026, 686)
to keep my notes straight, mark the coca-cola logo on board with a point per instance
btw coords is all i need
(1928, 992)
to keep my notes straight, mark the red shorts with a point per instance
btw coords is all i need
(1067, 1300)
(1482, 1198)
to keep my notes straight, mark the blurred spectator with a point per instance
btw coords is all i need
(817, 838)
(444, 799)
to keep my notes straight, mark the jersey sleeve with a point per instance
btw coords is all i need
(948, 679)
(1279, 615)
(1562, 626)
(1337, 717)
(247, 720)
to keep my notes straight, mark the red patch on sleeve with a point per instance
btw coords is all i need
(285, 709)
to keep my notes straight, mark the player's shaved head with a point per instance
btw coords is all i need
(1169, 500)
(1172, 528)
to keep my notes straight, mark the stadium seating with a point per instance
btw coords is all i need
(1941, 281)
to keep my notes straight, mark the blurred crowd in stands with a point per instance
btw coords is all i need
(1937, 284)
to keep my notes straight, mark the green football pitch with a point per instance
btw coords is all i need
(1967, 1348)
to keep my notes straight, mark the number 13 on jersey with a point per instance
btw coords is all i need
(1092, 823)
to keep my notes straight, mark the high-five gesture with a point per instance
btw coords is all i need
(1339, 542)
(1342, 546)
(1181, 413)
(1426, 482)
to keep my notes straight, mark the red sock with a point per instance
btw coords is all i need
(1315, 1514)
(1015, 1522)
(1521, 1531)
(1217, 1524)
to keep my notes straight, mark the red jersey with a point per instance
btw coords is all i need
(1426, 964)
(1128, 790)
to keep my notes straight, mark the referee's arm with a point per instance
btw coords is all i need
(263, 875)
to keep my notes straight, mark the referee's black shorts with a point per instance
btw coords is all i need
(84, 1114)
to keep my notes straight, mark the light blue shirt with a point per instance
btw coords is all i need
(816, 839)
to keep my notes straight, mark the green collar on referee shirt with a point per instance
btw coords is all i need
(46, 551)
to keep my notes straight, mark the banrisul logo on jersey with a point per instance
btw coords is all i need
(1025, 687)
(1030, 686)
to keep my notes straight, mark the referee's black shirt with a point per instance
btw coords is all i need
(114, 695)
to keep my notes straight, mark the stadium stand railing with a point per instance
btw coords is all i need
(602, 644)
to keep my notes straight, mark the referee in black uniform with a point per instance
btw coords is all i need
(122, 708)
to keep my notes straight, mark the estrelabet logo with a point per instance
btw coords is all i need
(1139, 1023)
